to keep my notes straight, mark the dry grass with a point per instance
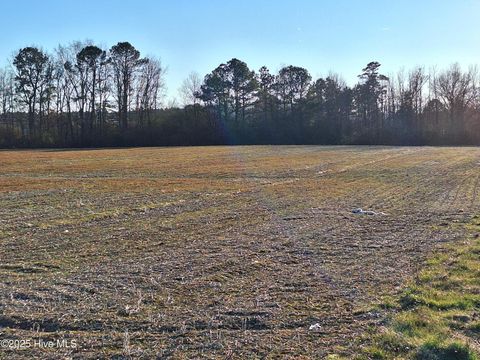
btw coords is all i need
(218, 252)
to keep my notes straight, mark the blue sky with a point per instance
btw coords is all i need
(194, 35)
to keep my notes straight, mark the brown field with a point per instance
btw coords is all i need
(218, 252)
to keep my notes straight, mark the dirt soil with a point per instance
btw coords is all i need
(218, 252)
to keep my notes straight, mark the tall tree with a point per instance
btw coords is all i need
(215, 91)
(371, 98)
(293, 82)
(89, 60)
(243, 85)
(126, 61)
(33, 70)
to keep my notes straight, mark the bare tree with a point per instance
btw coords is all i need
(456, 90)
(190, 89)
(7, 97)
(150, 85)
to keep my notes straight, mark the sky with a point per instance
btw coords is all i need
(192, 35)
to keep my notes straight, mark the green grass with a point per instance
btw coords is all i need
(436, 317)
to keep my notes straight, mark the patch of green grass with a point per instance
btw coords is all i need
(435, 317)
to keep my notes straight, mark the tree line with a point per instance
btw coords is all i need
(84, 95)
